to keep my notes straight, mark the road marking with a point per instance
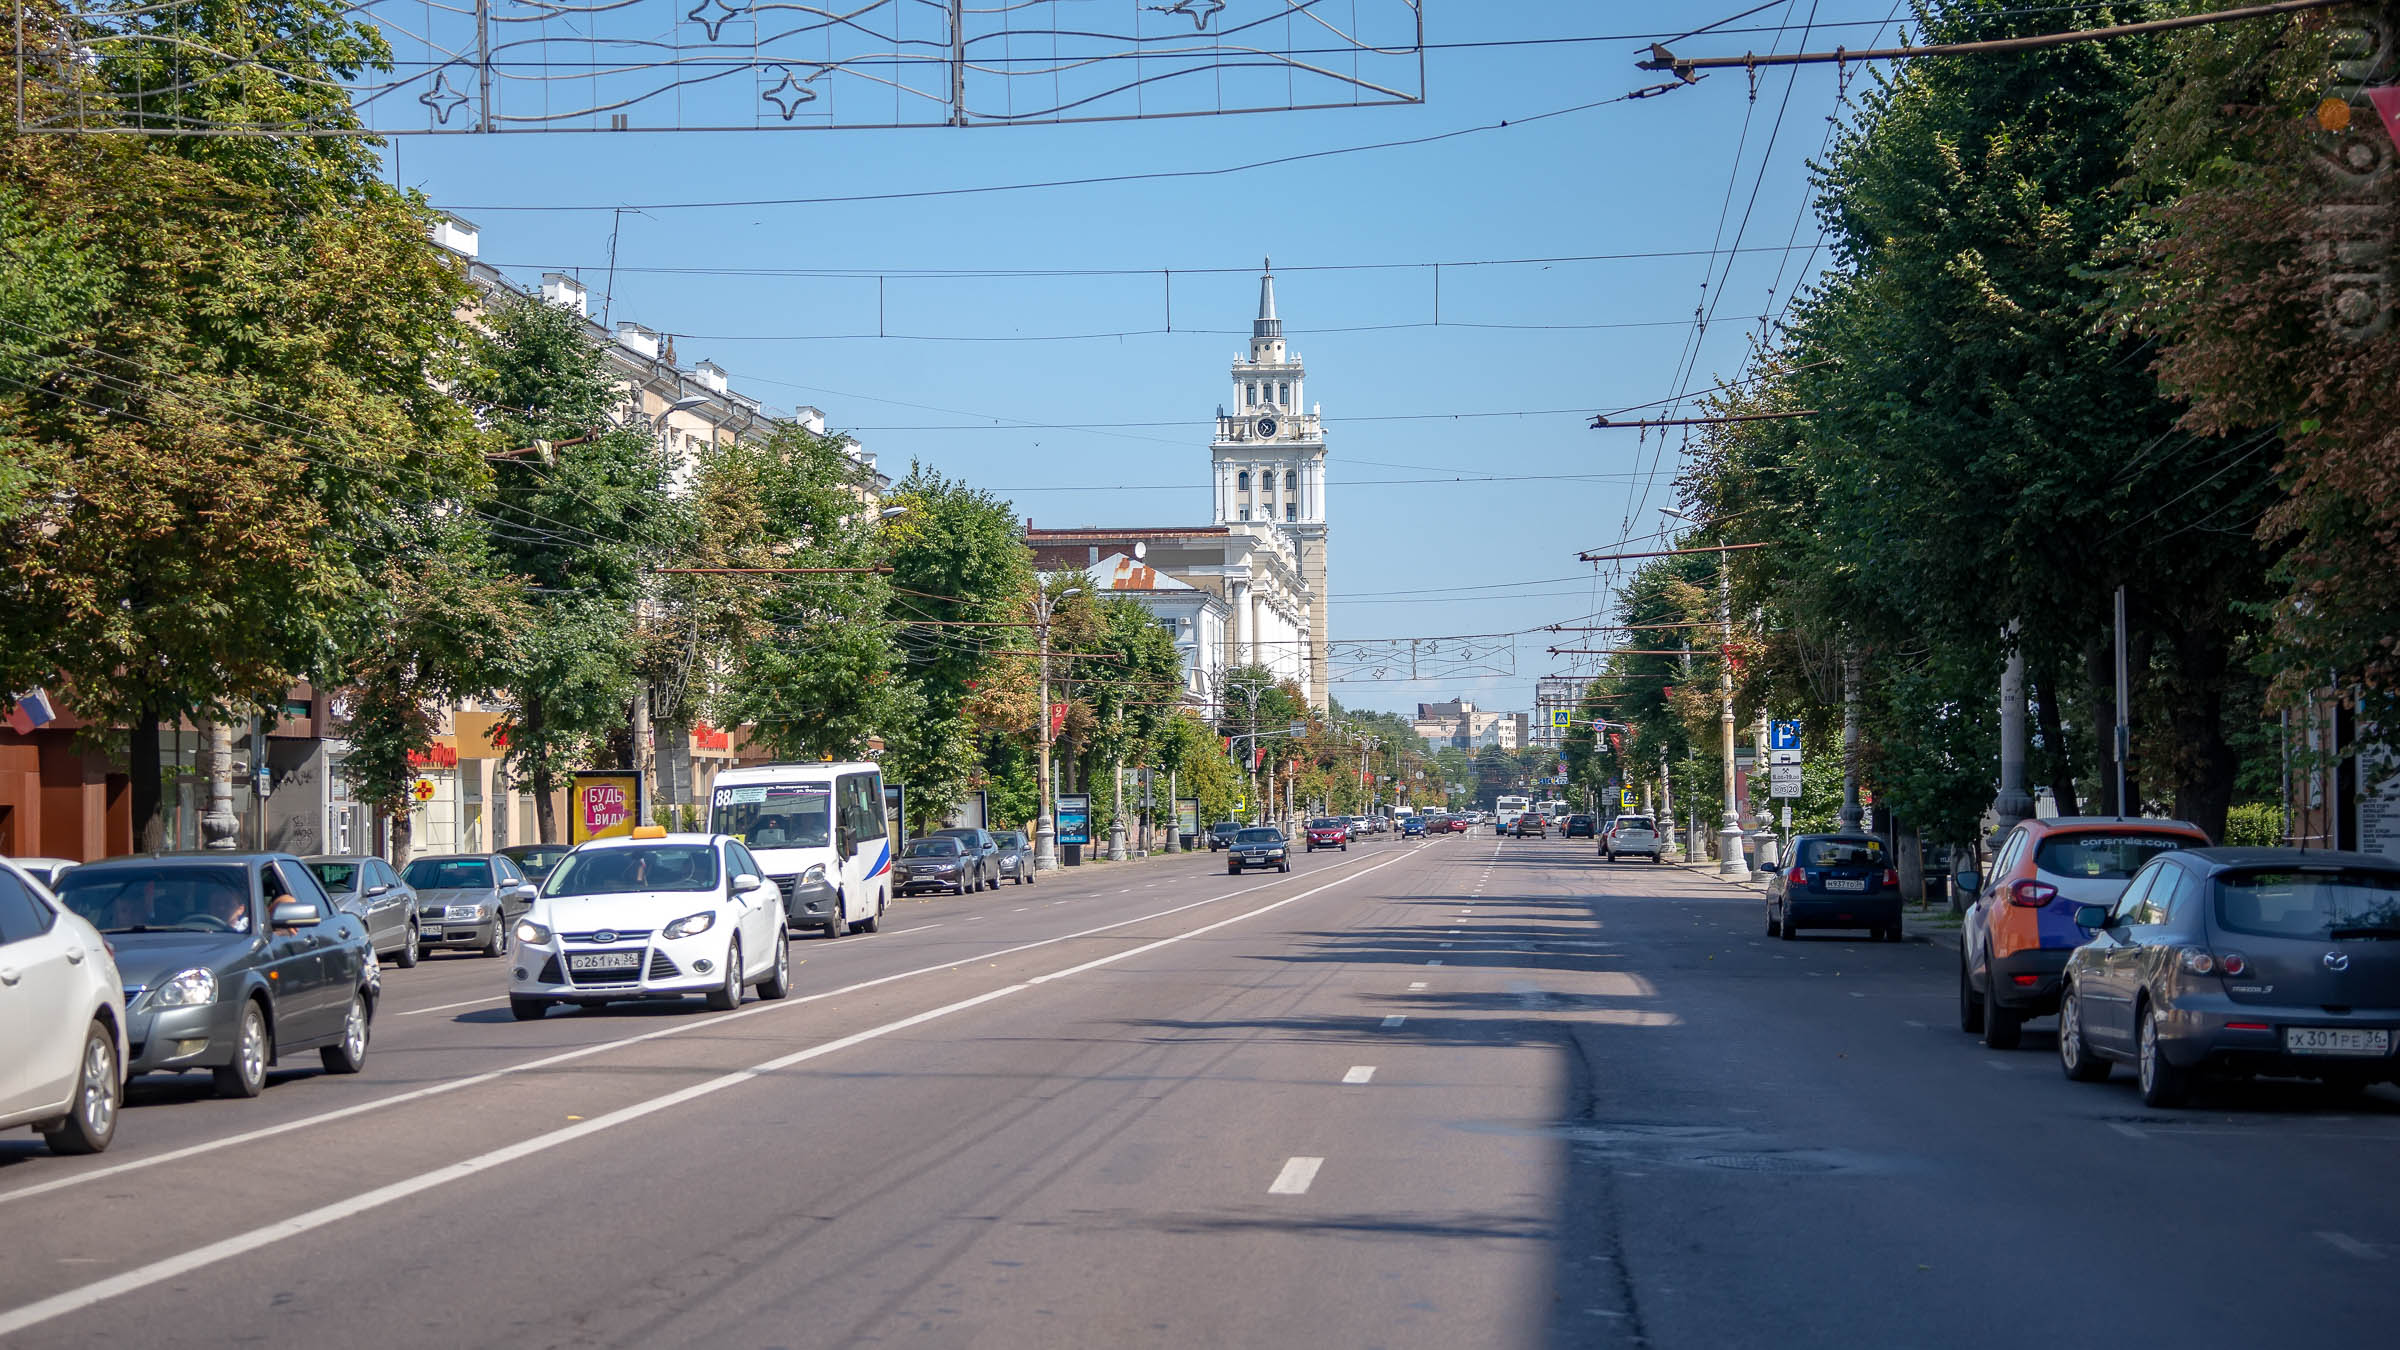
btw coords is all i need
(1447, 944)
(1416, 984)
(1359, 1073)
(923, 926)
(1918, 1025)
(1297, 1173)
(1395, 1019)
(1998, 1064)
(2127, 1130)
(2340, 1242)
(1295, 1177)
(462, 1003)
(1435, 962)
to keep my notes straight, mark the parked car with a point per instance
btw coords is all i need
(536, 860)
(230, 962)
(368, 887)
(1579, 827)
(63, 1003)
(468, 900)
(650, 915)
(2014, 942)
(937, 863)
(1634, 837)
(1326, 832)
(2239, 961)
(1016, 856)
(981, 850)
(1835, 881)
(1258, 846)
(1220, 835)
(1531, 824)
(44, 870)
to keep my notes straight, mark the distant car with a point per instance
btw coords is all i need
(1531, 824)
(536, 860)
(230, 962)
(650, 915)
(1412, 827)
(1835, 881)
(982, 851)
(63, 1003)
(1016, 859)
(1631, 837)
(937, 863)
(468, 900)
(2020, 926)
(366, 886)
(1220, 835)
(1258, 846)
(1579, 827)
(2239, 961)
(1327, 832)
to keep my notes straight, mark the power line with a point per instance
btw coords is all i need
(1681, 67)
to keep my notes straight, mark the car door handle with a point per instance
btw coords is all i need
(8, 976)
(74, 956)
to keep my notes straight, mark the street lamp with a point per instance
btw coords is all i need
(1730, 862)
(1045, 827)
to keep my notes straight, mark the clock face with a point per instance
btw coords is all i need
(1266, 426)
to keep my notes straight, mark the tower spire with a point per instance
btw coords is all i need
(1266, 325)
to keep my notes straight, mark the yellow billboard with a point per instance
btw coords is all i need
(602, 805)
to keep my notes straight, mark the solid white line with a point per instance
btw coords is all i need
(2340, 1242)
(445, 1007)
(1299, 1172)
(1395, 1019)
(1294, 1179)
(918, 929)
(2128, 1131)
(1360, 1073)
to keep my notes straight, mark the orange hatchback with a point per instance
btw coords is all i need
(2021, 927)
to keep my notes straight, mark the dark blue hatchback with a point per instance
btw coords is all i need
(1835, 881)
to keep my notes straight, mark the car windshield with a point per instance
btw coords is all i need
(775, 815)
(1010, 839)
(1837, 852)
(2112, 856)
(537, 862)
(1324, 824)
(2320, 905)
(154, 899)
(934, 848)
(337, 876)
(1259, 837)
(449, 874)
(641, 867)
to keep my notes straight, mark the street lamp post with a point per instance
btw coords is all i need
(1730, 862)
(1045, 825)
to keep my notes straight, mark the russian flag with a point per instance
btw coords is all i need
(31, 709)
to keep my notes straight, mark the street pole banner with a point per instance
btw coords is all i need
(601, 805)
(1187, 815)
(1075, 818)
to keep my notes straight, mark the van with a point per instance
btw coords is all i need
(822, 835)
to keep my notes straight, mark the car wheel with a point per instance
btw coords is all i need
(873, 921)
(1774, 928)
(498, 946)
(246, 1076)
(2003, 1026)
(728, 996)
(1791, 931)
(2076, 1058)
(528, 1009)
(1970, 1004)
(2163, 1084)
(778, 983)
(1233, 871)
(99, 1092)
(835, 927)
(349, 1054)
(1286, 867)
(410, 951)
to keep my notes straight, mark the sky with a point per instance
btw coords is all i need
(1463, 477)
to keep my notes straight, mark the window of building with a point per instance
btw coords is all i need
(1291, 511)
(1241, 481)
(1254, 393)
(1283, 393)
(1245, 513)
(1291, 480)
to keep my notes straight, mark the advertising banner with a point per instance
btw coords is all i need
(1074, 818)
(1187, 815)
(601, 805)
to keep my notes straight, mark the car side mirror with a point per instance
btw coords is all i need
(2091, 916)
(377, 889)
(528, 891)
(295, 914)
(748, 881)
(1969, 880)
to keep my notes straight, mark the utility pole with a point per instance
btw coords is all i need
(1045, 825)
(1852, 814)
(1730, 862)
(2013, 803)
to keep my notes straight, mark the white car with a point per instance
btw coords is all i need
(1630, 837)
(654, 915)
(62, 1061)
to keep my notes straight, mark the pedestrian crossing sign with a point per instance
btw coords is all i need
(1561, 718)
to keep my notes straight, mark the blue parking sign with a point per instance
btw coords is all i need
(1783, 735)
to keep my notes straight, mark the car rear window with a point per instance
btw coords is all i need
(2113, 855)
(2323, 905)
(1842, 853)
(1633, 823)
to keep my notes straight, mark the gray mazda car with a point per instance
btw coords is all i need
(232, 963)
(468, 900)
(2233, 962)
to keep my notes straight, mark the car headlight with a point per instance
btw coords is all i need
(463, 913)
(185, 990)
(529, 931)
(691, 925)
(1274, 853)
(814, 876)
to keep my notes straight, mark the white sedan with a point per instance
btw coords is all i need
(655, 915)
(62, 1059)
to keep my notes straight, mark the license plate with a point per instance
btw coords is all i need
(595, 961)
(1845, 884)
(431, 930)
(2336, 1041)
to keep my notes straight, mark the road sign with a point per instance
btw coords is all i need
(1783, 757)
(1625, 799)
(1784, 780)
(422, 790)
(1562, 718)
(1783, 736)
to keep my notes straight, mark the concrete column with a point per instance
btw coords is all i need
(1852, 813)
(2013, 803)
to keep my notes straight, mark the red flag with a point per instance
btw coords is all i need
(1258, 756)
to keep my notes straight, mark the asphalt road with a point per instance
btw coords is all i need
(1471, 1092)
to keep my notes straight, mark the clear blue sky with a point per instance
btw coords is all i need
(1409, 558)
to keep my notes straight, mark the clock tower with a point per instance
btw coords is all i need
(1269, 464)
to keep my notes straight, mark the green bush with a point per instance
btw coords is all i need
(2254, 824)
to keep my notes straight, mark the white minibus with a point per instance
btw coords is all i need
(820, 832)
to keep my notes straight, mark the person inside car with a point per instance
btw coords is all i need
(770, 834)
(277, 891)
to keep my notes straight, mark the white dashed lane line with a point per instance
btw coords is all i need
(2340, 1242)
(1395, 1019)
(463, 1003)
(1360, 1073)
(1295, 1177)
(1416, 984)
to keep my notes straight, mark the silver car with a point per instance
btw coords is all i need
(1016, 860)
(468, 900)
(2230, 962)
(366, 886)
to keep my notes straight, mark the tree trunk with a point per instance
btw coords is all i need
(2204, 764)
(2100, 666)
(2054, 742)
(545, 811)
(149, 829)
(404, 826)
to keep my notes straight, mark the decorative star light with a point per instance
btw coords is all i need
(1198, 11)
(789, 96)
(727, 12)
(441, 99)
